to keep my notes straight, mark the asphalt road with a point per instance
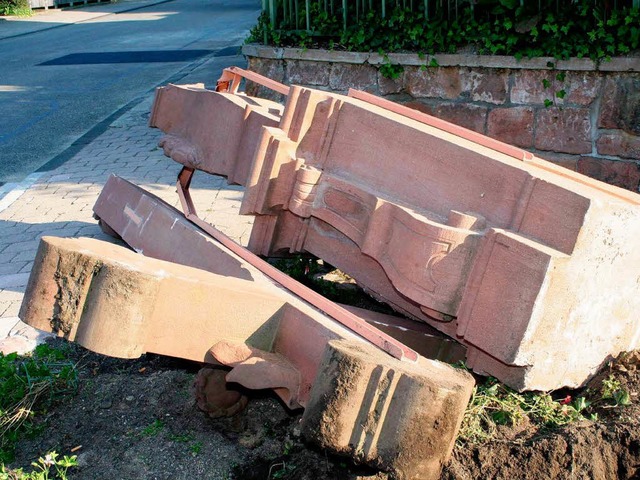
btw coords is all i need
(56, 85)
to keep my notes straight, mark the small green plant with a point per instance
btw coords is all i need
(152, 430)
(195, 448)
(48, 467)
(556, 87)
(287, 448)
(493, 404)
(281, 470)
(613, 392)
(182, 438)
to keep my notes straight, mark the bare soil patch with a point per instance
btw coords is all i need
(137, 419)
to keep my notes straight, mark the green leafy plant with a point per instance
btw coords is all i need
(19, 8)
(613, 393)
(579, 28)
(48, 467)
(195, 448)
(493, 404)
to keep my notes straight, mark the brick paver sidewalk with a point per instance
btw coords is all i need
(60, 203)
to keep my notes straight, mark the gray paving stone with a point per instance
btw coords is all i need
(14, 280)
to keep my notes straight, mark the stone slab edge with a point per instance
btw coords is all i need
(617, 64)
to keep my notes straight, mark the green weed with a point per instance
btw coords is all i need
(195, 448)
(28, 385)
(493, 404)
(152, 430)
(48, 467)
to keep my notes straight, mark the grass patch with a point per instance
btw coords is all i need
(153, 430)
(19, 8)
(28, 386)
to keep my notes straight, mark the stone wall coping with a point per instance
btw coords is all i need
(616, 64)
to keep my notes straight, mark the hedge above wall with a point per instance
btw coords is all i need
(580, 114)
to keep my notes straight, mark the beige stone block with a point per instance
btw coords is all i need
(400, 417)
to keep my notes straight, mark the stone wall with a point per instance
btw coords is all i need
(594, 129)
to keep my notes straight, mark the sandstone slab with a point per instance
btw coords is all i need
(510, 257)
(116, 302)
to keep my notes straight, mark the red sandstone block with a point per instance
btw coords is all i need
(614, 172)
(560, 87)
(466, 115)
(511, 125)
(497, 252)
(620, 144)
(445, 83)
(563, 130)
(488, 86)
(620, 107)
(358, 407)
(211, 131)
(299, 72)
(580, 88)
(361, 77)
(529, 88)
(404, 415)
(388, 86)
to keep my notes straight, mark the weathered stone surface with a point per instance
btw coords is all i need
(614, 172)
(488, 86)
(453, 230)
(211, 131)
(445, 83)
(400, 417)
(466, 115)
(389, 86)
(620, 144)
(563, 130)
(270, 69)
(580, 88)
(360, 77)
(533, 87)
(620, 107)
(529, 88)
(116, 302)
(511, 125)
(564, 160)
(299, 72)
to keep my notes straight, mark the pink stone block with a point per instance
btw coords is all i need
(445, 83)
(119, 303)
(211, 131)
(620, 144)
(511, 257)
(614, 172)
(512, 125)
(564, 130)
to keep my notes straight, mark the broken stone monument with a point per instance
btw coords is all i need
(531, 266)
(358, 400)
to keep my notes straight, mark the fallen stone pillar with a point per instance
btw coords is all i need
(156, 229)
(356, 408)
(116, 302)
(211, 131)
(533, 267)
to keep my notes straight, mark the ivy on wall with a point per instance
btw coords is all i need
(560, 29)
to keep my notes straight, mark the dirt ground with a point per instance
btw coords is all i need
(137, 419)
